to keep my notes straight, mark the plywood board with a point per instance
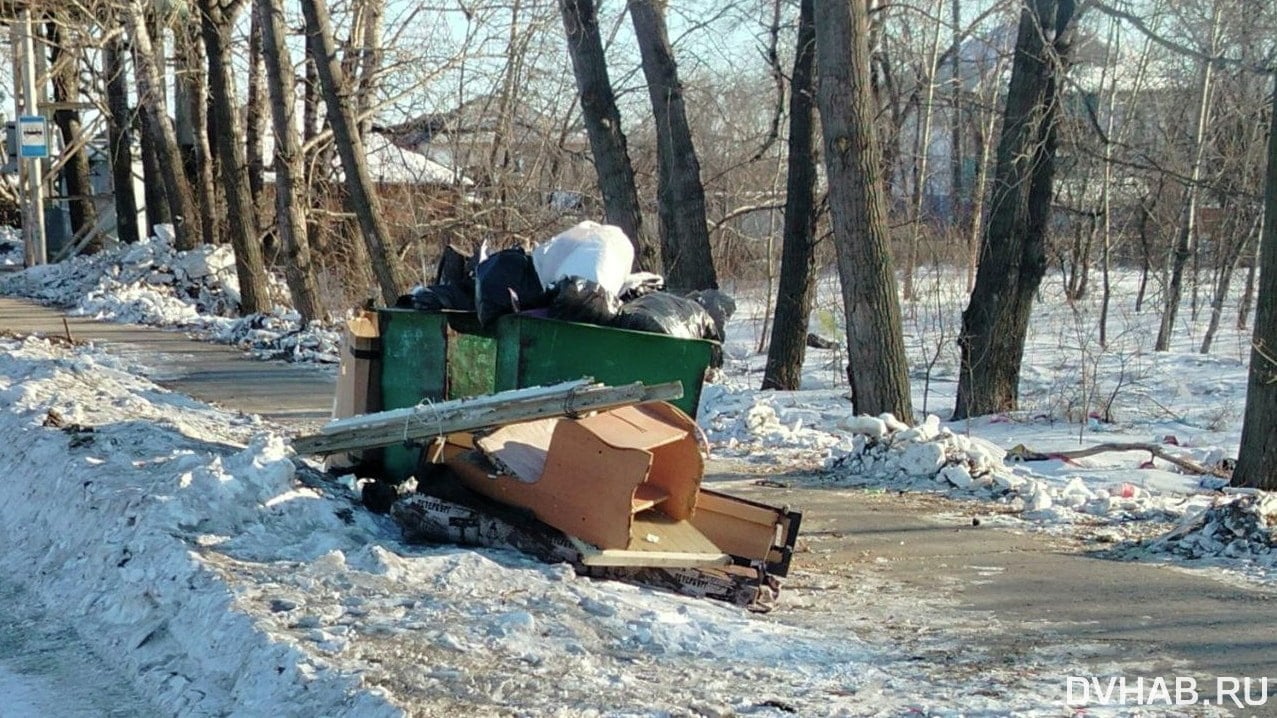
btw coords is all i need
(520, 449)
(658, 541)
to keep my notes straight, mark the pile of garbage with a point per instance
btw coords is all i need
(605, 478)
(1233, 527)
(580, 275)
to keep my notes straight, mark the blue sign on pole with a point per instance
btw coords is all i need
(33, 137)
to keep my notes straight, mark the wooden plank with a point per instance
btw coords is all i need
(519, 449)
(646, 496)
(397, 416)
(591, 556)
(653, 531)
(374, 430)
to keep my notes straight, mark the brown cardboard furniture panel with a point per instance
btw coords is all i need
(592, 475)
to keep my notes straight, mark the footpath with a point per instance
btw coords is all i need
(1008, 593)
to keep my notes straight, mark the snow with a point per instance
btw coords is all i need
(197, 291)
(218, 575)
(1073, 393)
(191, 551)
(11, 252)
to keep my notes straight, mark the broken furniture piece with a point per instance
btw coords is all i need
(495, 423)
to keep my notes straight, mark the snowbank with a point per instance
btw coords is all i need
(1233, 527)
(182, 543)
(198, 291)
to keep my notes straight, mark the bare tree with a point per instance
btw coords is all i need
(255, 116)
(1185, 245)
(289, 174)
(217, 19)
(1257, 460)
(797, 285)
(64, 68)
(1013, 256)
(120, 139)
(685, 249)
(158, 125)
(877, 366)
(387, 266)
(603, 125)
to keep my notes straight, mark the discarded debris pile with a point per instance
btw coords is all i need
(1234, 527)
(579, 275)
(616, 493)
(930, 457)
(431, 519)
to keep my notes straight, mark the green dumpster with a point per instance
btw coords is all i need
(447, 355)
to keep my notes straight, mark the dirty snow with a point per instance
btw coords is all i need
(197, 291)
(192, 553)
(1074, 394)
(194, 557)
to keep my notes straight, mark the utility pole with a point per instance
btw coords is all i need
(30, 167)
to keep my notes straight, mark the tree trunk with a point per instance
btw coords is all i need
(370, 57)
(1013, 255)
(957, 203)
(1248, 293)
(387, 267)
(66, 88)
(1185, 244)
(797, 286)
(1257, 459)
(877, 368)
(162, 137)
(203, 168)
(158, 208)
(290, 212)
(120, 140)
(217, 21)
(922, 156)
(254, 116)
(603, 125)
(1232, 255)
(689, 263)
(154, 196)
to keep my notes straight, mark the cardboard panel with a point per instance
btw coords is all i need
(358, 377)
(585, 491)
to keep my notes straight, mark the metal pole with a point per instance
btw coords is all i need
(33, 219)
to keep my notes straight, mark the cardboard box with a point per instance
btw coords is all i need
(622, 483)
(359, 377)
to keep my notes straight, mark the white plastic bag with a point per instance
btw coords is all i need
(596, 252)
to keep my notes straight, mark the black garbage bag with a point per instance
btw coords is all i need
(456, 269)
(506, 282)
(437, 298)
(574, 299)
(673, 315)
(719, 305)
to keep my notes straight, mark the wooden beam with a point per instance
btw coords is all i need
(427, 421)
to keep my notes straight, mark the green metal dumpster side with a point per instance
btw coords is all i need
(434, 356)
(532, 351)
(447, 355)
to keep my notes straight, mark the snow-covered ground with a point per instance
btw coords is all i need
(1074, 394)
(152, 283)
(192, 554)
